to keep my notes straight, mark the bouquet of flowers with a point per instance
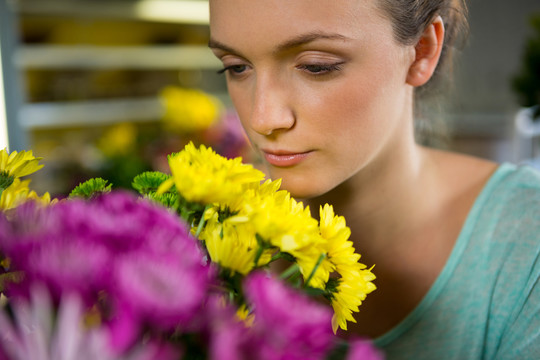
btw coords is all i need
(185, 269)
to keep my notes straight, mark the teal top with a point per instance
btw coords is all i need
(485, 304)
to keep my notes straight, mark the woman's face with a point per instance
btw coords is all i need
(319, 86)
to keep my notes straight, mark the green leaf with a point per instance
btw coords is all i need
(191, 212)
(169, 200)
(5, 180)
(526, 83)
(226, 213)
(331, 288)
(149, 181)
(311, 291)
(319, 261)
(91, 188)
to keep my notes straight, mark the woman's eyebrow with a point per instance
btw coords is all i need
(295, 42)
(214, 44)
(307, 38)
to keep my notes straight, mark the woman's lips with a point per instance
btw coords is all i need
(284, 158)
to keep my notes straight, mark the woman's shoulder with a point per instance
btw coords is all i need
(492, 188)
(517, 178)
(460, 177)
(515, 184)
(523, 175)
(462, 165)
(507, 208)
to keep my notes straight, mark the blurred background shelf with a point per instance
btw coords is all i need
(89, 113)
(175, 11)
(92, 112)
(158, 57)
(85, 82)
(81, 62)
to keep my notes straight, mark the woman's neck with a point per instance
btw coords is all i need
(377, 201)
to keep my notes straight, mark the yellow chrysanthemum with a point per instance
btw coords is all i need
(278, 218)
(285, 224)
(118, 140)
(334, 230)
(188, 110)
(355, 282)
(201, 175)
(351, 291)
(253, 193)
(18, 164)
(18, 193)
(232, 246)
(308, 260)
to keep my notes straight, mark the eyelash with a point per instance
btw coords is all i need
(322, 69)
(231, 69)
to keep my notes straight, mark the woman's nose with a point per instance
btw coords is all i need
(271, 110)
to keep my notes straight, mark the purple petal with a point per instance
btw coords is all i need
(290, 325)
(363, 349)
(162, 290)
(229, 339)
(124, 330)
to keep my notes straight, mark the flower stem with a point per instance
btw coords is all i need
(319, 261)
(260, 249)
(291, 270)
(276, 256)
(258, 255)
(202, 222)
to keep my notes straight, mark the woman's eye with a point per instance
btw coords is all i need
(320, 69)
(233, 69)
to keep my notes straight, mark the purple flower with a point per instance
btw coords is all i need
(35, 334)
(124, 222)
(162, 292)
(288, 325)
(228, 337)
(66, 265)
(63, 261)
(132, 259)
(76, 241)
(363, 349)
(145, 278)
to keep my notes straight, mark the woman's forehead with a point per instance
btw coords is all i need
(280, 21)
(304, 12)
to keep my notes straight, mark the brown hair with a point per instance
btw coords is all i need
(409, 19)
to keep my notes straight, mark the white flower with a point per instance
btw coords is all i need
(35, 334)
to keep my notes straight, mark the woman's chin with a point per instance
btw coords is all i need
(303, 182)
(306, 189)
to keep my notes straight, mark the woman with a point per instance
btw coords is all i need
(326, 93)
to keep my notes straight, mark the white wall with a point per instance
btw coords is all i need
(3, 115)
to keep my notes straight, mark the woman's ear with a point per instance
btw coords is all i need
(428, 50)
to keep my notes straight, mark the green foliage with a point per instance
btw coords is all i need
(91, 188)
(331, 288)
(5, 180)
(169, 200)
(148, 182)
(147, 185)
(527, 82)
(191, 212)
